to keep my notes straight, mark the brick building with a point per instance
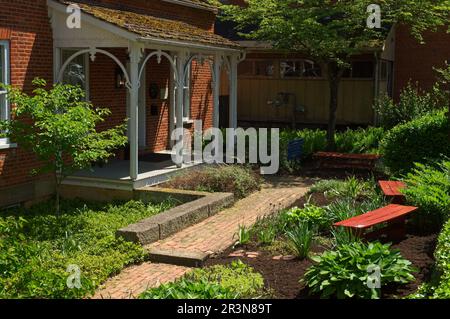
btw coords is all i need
(152, 62)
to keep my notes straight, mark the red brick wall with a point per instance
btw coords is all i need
(415, 61)
(103, 91)
(25, 24)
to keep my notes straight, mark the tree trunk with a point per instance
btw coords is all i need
(334, 78)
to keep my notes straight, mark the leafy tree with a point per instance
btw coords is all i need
(332, 31)
(59, 126)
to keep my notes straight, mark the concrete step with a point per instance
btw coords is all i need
(177, 257)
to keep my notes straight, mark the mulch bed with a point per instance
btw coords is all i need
(282, 276)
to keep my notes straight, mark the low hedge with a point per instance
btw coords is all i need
(429, 189)
(442, 256)
(360, 141)
(418, 141)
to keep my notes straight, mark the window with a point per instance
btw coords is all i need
(361, 70)
(4, 78)
(77, 72)
(264, 68)
(300, 69)
(260, 68)
(187, 94)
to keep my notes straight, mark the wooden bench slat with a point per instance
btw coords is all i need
(392, 188)
(379, 216)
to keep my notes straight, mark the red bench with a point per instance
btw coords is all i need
(343, 160)
(392, 190)
(394, 215)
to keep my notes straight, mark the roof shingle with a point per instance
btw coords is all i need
(150, 27)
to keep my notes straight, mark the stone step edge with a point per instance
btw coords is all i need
(165, 224)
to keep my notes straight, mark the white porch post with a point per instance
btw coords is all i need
(135, 57)
(233, 91)
(216, 89)
(180, 63)
(231, 138)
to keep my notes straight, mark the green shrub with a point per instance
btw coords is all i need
(429, 189)
(346, 272)
(189, 289)
(300, 238)
(217, 282)
(418, 141)
(413, 103)
(439, 285)
(36, 247)
(442, 255)
(312, 215)
(237, 179)
(358, 141)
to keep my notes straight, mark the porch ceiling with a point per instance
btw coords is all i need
(150, 27)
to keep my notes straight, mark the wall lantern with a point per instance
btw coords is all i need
(120, 79)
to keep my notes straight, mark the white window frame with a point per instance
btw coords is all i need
(86, 62)
(4, 45)
(187, 94)
(282, 76)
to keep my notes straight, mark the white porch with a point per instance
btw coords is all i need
(97, 36)
(116, 175)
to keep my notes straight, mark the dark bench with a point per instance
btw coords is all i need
(343, 160)
(392, 190)
(394, 215)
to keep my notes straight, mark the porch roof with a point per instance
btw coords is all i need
(150, 27)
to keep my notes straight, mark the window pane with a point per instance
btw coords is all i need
(312, 69)
(264, 68)
(245, 68)
(291, 69)
(3, 114)
(75, 73)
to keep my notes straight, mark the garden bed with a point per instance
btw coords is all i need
(330, 201)
(41, 252)
(282, 276)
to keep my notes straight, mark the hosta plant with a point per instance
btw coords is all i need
(357, 271)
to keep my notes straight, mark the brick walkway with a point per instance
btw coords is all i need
(211, 236)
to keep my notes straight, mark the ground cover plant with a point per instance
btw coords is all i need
(234, 281)
(37, 247)
(240, 180)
